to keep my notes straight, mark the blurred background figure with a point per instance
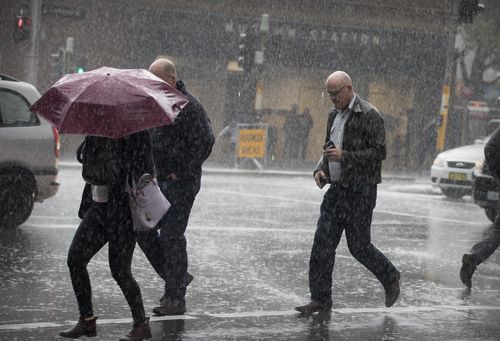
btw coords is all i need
(305, 124)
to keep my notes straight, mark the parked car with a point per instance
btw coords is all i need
(452, 169)
(29, 153)
(485, 190)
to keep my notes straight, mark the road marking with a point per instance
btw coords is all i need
(261, 313)
(428, 217)
(50, 226)
(52, 217)
(258, 229)
(254, 314)
(317, 203)
(347, 311)
(19, 326)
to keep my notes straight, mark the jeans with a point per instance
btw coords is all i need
(166, 250)
(350, 209)
(94, 231)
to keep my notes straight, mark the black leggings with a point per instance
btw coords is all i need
(94, 232)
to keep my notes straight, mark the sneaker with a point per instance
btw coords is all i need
(467, 270)
(84, 327)
(392, 291)
(313, 307)
(170, 307)
(140, 331)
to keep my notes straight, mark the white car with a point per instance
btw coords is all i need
(29, 153)
(452, 169)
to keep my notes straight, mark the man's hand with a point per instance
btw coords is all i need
(320, 178)
(333, 154)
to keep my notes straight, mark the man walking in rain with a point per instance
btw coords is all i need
(179, 150)
(351, 162)
(491, 238)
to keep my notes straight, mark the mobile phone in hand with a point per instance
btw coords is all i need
(322, 181)
(329, 145)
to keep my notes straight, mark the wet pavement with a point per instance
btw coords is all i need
(249, 240)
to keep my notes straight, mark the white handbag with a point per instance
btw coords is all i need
(147, 203)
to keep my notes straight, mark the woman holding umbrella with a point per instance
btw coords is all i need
(114, 108)
(106, 163)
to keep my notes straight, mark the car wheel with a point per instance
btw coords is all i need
(490, 213)
(17, 197)
(453, 193)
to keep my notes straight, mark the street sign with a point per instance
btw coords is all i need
(252, 143)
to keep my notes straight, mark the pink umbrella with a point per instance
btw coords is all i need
(109, 102)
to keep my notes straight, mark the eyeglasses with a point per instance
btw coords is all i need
(336, 92)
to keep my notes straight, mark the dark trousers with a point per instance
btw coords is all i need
(166, 250)
(349, 209)
(490, 241)
(94, 232)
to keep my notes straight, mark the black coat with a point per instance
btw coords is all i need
(492, 154)
(363, 145)
(183, 146)
(132, 155)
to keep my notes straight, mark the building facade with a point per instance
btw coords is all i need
(395, 51)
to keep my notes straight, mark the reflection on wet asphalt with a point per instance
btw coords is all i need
(249, 241)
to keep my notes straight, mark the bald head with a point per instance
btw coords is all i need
(164, 69)
(339, 86)
(338, 79)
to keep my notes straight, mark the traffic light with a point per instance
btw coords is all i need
(467, 10)
(246, 48)
(81, 64)
(57, 64)
(22, 29)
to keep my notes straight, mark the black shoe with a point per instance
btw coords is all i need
(313, 307)
(139, 332)
(189, 279)
(84, 327)
(467, 270)
(392, 291)
(170, 307)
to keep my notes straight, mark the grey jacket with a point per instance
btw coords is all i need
(363, 145)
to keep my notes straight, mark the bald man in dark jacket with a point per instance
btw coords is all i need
(491, 238)
(179, 151)
(352, 164)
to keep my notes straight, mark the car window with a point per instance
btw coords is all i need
(14, 110)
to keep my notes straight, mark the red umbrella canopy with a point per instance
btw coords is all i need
(110, 102)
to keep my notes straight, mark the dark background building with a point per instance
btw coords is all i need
(395, 51)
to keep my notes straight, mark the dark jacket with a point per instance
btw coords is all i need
(183, 146)
(492, 154)
(363, 145)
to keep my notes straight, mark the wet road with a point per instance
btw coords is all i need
(249, 240)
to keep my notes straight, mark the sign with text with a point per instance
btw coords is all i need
(252, 143)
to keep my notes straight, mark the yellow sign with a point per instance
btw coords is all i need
(441, 134)
(252, 143)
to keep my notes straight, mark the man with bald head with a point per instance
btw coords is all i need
(351, 163)
(179, 151)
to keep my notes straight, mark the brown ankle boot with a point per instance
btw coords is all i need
(139, 332)
(85, 326)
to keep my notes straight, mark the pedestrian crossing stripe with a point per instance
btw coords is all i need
(263, 313)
